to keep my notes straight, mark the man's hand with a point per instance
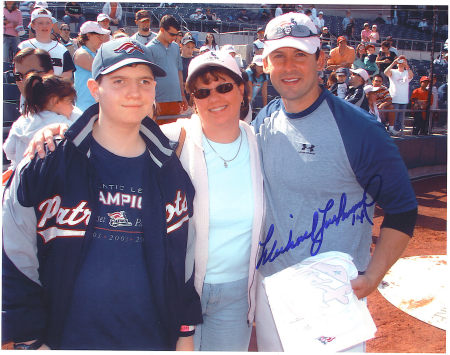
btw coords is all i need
(363, 286)
(45, 135)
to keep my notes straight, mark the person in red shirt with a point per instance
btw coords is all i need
(419, 101)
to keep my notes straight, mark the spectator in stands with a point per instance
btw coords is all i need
(229, 48)
(341, 56)
(197, 15)
(178, 38)
(48, 99)
(210, 42)
(204, 49)
(91, 37)
(41, 22)
(144, 35)
(279, 11)
(419, 101)
(384, 59)
(434, 104)
(308, 13)
(391, 43)
(374, 36)
(359, 56)
(243, 16)
(74, 13)
(325, 38)
(12, 24)
(187, 53)
(355, 94)
(340, 87)
(370, 64)
(371, 100)
(365, 33)
(114, 11)
(384, 102)
(349, 30)
(423, 25)
(210, 16)
(103, 20)
(346, 20)
(70, 44)
(299, 9)
(399, 80)
(258, 45)
(331, 80)
(319, 22)
(55, 28)
(170, 97)
(379, 19)
(264, 13)
(257, 80)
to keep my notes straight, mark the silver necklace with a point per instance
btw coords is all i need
(225, 162)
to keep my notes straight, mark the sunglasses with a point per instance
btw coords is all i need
(19, 76)
(65, 29)
(172, 34)
(221, 89)
(291, 30)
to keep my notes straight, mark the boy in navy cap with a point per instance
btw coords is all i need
(105, 261)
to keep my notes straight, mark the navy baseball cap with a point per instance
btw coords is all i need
(117, 53)
(341, 71)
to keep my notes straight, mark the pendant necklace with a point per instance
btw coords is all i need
(225, 161)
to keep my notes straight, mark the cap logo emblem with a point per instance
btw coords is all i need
(129, 48)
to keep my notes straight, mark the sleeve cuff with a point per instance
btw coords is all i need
(187, 330)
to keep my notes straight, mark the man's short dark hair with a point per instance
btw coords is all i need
(168, 21)
(385, 44)
(377, 76)
(44, 58)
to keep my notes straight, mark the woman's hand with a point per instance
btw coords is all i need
(45, 135)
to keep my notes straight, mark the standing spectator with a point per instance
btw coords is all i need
(346, 20)
(319, 21)
(349, 31)
(423, 25)
(114, 11)
(70, 44)
(257, 80)
(434, 104)
(144, 35)
(12, 24)
(74, 13)
(187, 53)
(341, 56)
(91, 37)
(210, 42)
(308, 13)
(391, 43)
(384, 102)
(258, 45)
(340, 88)
(264, 13)
(243, 16)
(365, 33)
(359, 56)
(399, 80)
(370, 64)
(279, 11)
(197, 15)
(55, 28)
(384, 59)
(41, 22)
(374, 36)
(178, 39)
(355, 94)
(103, 20)
(419, 101)
(229, 48)
(170, 97)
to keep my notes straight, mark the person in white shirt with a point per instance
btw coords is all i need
(319, 21)
(198, 15)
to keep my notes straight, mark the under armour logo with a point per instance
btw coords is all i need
(129, 47)
(307, 148)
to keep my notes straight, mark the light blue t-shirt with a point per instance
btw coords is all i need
(81, 77)
(230, 211)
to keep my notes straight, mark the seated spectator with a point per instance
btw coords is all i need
(74, 13)
(340, 87)
(325, 38)
(144, 35)
(355, 94)
(371, 100)
(243, 17)
(48, 99)
(103, 20)
(384, 102)
(384, 59)
(319, 22)
(198, 15)
(210, 16)
(370, 64)
(210, 42)
(365, 33)
(258, 45)
(391, 43)
(341, 56)
(374, 35)
(114, 11)
(423, 25)
(70, 43)
(359, 56)
(419, 101)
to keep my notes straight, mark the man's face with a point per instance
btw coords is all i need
(42, 26)
(356, 80)
(377, 81)
(424, 84)
(294, 75)
(342, 44)
(104, 23)
(143, 25)
(260, 35)
(170, 34)
(187, 49)
(28, 65)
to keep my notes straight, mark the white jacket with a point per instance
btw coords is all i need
(193, 160)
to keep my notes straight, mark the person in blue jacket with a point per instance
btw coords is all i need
(95, 236)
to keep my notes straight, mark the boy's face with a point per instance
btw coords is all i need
(341, 78)
(187, 49)
(126, 95)
(370, 50)
(42, 26)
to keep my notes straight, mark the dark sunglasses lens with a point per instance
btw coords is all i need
(224, 88)
(201, 93)
(18, 77)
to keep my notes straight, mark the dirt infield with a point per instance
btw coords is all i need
(397, 331)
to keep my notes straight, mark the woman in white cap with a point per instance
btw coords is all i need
(374, 36)
(257, 79)
(90, 38)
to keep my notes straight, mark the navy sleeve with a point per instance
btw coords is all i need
(68, 64)
(403, 222)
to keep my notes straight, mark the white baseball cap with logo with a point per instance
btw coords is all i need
(102, 17)
(258, 60)
(42, 4)
(40, 13)
(93, 27)
(228, 48)
(361, 72)
(294, 30)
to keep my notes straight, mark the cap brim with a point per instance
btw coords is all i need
(306, 44)
(157, 71)
(209, 64)
(143, 19)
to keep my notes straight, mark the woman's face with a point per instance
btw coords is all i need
(65, 32)
(209, 38)
(361, 50)
(219, 109)
(9, 4)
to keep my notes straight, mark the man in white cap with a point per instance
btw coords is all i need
(198, 15)
(355, 94)
(103, 20)
(326, 162)
(41, 22)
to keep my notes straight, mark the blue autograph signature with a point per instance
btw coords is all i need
(358, 212)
